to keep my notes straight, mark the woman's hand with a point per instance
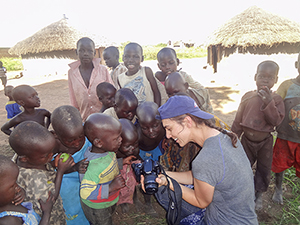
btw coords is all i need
(161, 180)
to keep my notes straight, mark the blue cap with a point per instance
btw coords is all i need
(180, 104)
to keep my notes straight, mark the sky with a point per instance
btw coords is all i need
(142, 21)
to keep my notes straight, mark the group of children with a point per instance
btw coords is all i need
(102, 140)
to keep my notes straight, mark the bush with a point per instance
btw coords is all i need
(12, 64)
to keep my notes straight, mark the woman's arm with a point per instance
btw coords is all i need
(182, 177)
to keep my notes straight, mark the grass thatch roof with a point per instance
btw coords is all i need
(255, 31)
(56, 40)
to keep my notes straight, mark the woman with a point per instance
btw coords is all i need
(221, 172)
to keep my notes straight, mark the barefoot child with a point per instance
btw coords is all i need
(128, 150)
(137, 78)
(12, 108)
(151, 134)
(125, 105)
(101, 181)
(286, 152)
(34, 145)
(17, 214)
(111, 57)
(106, 93)
(258, 113)
(27, 97)
(84, 76)
(68, 129)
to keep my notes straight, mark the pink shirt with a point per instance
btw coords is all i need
(83, 98)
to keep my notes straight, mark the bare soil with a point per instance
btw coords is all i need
(55, 93)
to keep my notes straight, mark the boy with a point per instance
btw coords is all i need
(101, 183)
(125, 105)
(12, 108)
(286, 152)
(258, 113)
(111, 58)
(28, 98)
(106, 93)
(151, 134)
(3, 74)
(84, 76)
(34, 145)
(139, 79)
(167, 63)
(68, 129)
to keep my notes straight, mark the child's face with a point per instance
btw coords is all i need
(132, 59)
(73, 140)
(30, 98)
(266, 76)
(151, 128)
(167, 63)
(110, 59)
(130, 146)
(8, 186)
(8, 91)
(85, 51)
(126, 110)
(111, 140)
(108, 98)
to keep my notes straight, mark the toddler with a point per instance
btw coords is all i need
(106, 94)
(3, 74)
(101, 181)
(125, 105)
(111, 57)
(258, 113)
(137, 78)
(28, 98)
(17, 214)
(12, 108)
(34, 145)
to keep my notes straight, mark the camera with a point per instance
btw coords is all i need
(149, 169)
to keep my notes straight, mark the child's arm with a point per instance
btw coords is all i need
(236, 127)
(9, 124)
(61, 168)
(46, 209)
(192, 83)
(153, 84)
(72, 94)
(48, 121)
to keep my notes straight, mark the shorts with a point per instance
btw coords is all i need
(285, 155)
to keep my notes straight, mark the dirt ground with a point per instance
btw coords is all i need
(225, 99)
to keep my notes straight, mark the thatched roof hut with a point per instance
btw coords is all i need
(58, 40)
(255, 31)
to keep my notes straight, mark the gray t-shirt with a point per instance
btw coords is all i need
(228, 170)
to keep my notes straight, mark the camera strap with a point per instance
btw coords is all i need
(175, 200)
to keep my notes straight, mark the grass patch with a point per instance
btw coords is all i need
(12, 64)
(150, 51)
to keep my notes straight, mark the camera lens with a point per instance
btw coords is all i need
(150, 184)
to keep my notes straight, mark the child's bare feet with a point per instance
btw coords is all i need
(277, 196)
(258, 200)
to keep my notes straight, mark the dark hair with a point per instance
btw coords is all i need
(208, 123)
(113, 49)
(84, 39)
(134, 44)
(125, 94)
(269, 62)
(102, 87)
(166, 49)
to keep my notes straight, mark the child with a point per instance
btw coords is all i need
(12, 108)
(68, 129)
(286, 152)
(11, 213)
(100, 185)
(34, 145)
(28, 98)
(167, 63)
(125, 105)
(128, 150)
(84, 76)
(111, 58)
(151, 134)
(106, 94)
(258, 113)
(137, 78)
(3, 74)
